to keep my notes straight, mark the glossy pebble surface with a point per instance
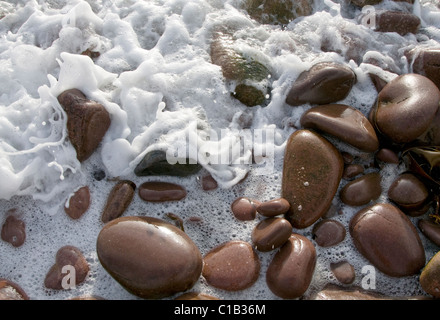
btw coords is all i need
(374, 231)
(312, 172)
(362, 190)
(148, 256)
(344, 122)
(231, 266)
(291, 270)
(156, 191)
(271, 233)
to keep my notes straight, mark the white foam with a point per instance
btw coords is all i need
(155, 77)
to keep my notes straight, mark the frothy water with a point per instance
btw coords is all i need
(155, 77)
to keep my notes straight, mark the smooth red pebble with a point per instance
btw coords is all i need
(343, 271)
(271, 233)
(274, 207)
(118, 200)
(231, 266)
(156, 191)
(244, 209)
(78, 203)
(291, 270)
(70, 269)
(14, 231)
(328, 233)
(209, 183)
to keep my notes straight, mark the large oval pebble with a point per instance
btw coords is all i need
(291, 270)
(312, 171)
(149, 257)
(375, 231)
(232, 266)
(405, 108)
(343, 122)
(157, 191)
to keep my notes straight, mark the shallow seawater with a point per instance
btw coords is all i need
(155, 77)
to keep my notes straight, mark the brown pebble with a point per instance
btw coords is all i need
(387, 156)
(14, 230)
(209, 183)
(271, 233)
(328, 233)
(343, 271)
(149, 257)
(362, 190)
(410, 194)
(273, 207)
(70, 269)
(291, 270)
(11, 291)
(375, 229)
(78, 203)
(87, 122)
(244, 209)
(324, 83)
(397, 21)
(155, 191)
(352, 170)
(431, 230)
(118, 200)
(344, 122)
(430, 276)
(312, 172)
(231, 266)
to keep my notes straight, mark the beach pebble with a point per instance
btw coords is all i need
(118, 200)
(312, 172)
(209, 183)
(397, 21)
(291, 270)
(328, 232)
(410, 194)
(232, 266)
(343, 271)
(156, 163)
(362, 3)
(278, 11)
(70, 269)
(87, 122)
(375, 229)
(273, 207)
(405, 108)
(157, 191)
(78, 203)
(387, 155)
(11, 291)
(14, 230)
(430, 276)
(352, 170)
(324, 83)
(149, 257)
(426, 61)
(362, 190)
(244, 209)
(430, 230)
(271, 233)
(343, 122)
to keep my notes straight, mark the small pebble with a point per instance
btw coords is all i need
(78, 203)
(244, 209)
(14, 230)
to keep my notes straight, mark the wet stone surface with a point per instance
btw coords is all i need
(231, 266)
(312, 172)
(13, 230)
(362, 190)
(118, 200)
(328, 232)
(78, 203)
(157, 191)
(374, 230)
(148, 256)
(271, 233)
